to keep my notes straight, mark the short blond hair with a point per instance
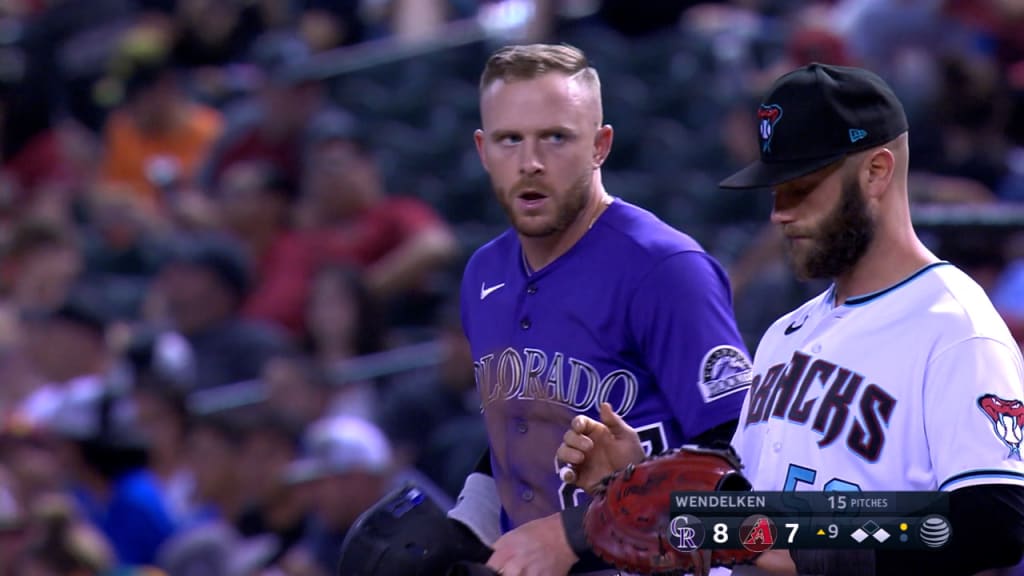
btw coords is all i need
(525, 62)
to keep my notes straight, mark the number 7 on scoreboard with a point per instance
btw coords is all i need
(793, 529)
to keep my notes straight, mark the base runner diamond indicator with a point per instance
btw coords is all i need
(881, 535)
(758, 533)
(859, 535)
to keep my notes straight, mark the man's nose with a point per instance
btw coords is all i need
(782, 209)
(530, 161)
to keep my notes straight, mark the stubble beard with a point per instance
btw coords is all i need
(568, 205)
(842, 238)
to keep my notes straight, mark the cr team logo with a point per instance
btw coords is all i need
(1007, 418)
(686, 533)
(768, 116)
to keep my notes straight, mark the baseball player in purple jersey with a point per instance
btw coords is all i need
(586, 303)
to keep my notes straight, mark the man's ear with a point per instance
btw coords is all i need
(478, 139)
(602, 145)
(879, 169)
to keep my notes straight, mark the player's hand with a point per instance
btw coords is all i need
(596, 449)
(537, 548)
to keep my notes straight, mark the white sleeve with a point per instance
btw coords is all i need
(478, 507)
(973, 414)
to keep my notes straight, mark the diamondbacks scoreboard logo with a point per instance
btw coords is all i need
(1007, 418)
(724, 370)
(758, 533)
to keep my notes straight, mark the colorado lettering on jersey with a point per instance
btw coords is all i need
(529, 375)
(793, 392)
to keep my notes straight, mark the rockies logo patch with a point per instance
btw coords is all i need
(724, 370)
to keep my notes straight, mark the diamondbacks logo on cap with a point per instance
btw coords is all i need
(769, 115)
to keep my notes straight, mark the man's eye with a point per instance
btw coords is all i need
(508, 140)
(556, 137)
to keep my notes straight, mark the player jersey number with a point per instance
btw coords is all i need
(802, 475)
(652, 438)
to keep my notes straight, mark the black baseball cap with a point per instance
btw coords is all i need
(816, 115)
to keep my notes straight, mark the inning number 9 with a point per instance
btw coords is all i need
(720, 533)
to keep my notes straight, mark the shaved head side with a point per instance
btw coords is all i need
(526, 62)
(900, 148)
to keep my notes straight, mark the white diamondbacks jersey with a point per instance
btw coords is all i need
(915, 387)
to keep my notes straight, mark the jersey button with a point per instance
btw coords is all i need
(777, 446)
(524, 323)
(522, 427)
(527, 495)
(531, 289)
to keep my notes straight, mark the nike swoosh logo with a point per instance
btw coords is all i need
(794, 326)
(485, 291)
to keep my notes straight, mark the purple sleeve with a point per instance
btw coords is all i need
(681, 317)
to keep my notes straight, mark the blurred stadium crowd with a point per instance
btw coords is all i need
(231, 235)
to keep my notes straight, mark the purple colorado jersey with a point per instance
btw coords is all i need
(635, 314)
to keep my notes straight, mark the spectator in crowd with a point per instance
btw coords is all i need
(155, 140)
(63, 545)
(163, 418)
(203, 286)
(254, 204)
(67, 347)
(30, 476)
(433, 417)
(123, 238)
(159, 369)
(103, 459)
(348, 467)
(56, 165)
(213, 447)
(273, 124)
(18, 374)
(214, 33)
(40, 264)
(343, 323)
(399, 241)
(274, 506)
(297, 388)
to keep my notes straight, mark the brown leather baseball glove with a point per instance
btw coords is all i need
(627, 523)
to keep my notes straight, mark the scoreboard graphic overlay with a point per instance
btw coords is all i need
(760, 521)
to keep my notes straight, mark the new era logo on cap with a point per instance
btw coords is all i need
(830, 112)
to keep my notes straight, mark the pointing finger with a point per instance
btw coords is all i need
(613, 421)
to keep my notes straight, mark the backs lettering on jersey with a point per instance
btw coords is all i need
(1007, 417)
(814, 391)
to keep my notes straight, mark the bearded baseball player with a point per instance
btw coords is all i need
(900, 376)
(586, 299)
